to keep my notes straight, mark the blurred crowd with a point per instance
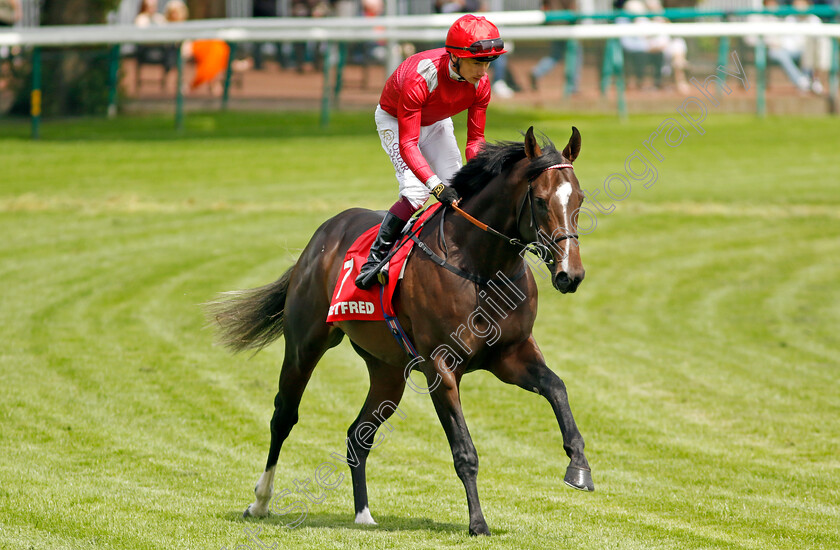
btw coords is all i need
(210, 57)
(10, 13)
(654, 62)
(805, 60)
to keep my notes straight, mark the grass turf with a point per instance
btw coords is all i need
(700, 354)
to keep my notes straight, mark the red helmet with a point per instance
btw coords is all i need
(474, 36)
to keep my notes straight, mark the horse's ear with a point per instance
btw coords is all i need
(572, 149)
(532, 150)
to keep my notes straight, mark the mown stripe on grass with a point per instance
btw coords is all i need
(130, 204)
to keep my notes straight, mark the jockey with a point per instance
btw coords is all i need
(415, 128)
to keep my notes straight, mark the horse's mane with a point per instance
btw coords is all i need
(496, 158)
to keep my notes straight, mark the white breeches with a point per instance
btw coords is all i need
(437, 144)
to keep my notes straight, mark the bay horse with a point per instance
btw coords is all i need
(522, 192)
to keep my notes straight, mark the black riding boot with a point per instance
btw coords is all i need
(385, 239)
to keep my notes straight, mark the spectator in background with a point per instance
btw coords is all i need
(503, 83)
(366, 52)
(345, 8)
(674, 60)
(265, 8)
(210, 56)
(640, 57)
(176, 11)
(785, 51)
(826, 18)
(557, 49)
(148, 14)
(373, 8)
(304, 51)
(10, 13)
(146, 54)
(458, 6)
(816, 50)
(673, 49)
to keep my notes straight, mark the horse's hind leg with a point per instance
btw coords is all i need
(525, 367)
(387, 384)
(304, 348)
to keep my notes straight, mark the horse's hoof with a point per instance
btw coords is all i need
(580, 479)
(480, 530)
(364, 517)
(249, 514)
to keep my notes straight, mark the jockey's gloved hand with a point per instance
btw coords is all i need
(442, 193)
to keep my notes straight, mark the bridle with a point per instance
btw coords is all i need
(542, 246)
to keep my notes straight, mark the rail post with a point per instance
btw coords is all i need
(723, 53)
(35, 96)
(179, 91)
(228, 74)
(761, 69)
(834, 77)
(571, 67)
(113, 79)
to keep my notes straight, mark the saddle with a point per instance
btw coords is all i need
(350, 303)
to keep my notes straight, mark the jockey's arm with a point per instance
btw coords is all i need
(476, 117)
(409, 127)
(408, 119)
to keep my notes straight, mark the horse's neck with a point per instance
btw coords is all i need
(495, 206)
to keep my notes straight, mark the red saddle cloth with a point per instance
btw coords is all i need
(349, 302)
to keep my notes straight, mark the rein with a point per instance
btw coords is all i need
(536, 248)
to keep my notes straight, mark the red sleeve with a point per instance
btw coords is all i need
(408, 117)
(475, 121)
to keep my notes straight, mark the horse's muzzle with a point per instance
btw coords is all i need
(566, 282)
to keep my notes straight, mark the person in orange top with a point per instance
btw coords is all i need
(210, 56)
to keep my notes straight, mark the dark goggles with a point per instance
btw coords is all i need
(487, 47)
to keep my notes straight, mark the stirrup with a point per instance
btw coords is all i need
(368, 279)
(385, 240)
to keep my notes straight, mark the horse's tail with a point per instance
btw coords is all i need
(250, 319)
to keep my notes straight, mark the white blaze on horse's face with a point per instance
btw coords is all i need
(564, 193)
(565, 198)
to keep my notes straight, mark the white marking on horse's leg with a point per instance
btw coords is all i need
(263, 492)
(564, 192)
(364, 517)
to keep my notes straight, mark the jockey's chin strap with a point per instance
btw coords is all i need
(540, 248)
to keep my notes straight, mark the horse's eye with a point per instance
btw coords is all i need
(541, 204)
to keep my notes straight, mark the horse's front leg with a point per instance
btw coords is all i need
(447, 401)
(524, 366)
